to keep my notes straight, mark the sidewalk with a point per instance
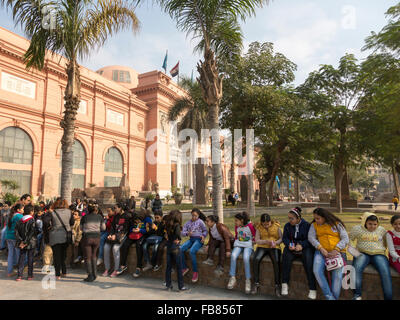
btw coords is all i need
(124, 287)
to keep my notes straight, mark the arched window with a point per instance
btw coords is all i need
(114, 165)
(114, 161)
(16, 147)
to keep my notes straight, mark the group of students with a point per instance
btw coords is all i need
(48, 231)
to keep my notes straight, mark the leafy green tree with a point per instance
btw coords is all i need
(379, 115)
(215, 25)
(80, 26)
(338, 92)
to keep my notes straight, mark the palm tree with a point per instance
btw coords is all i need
(79, 27)
(215, 23)
(194, 112)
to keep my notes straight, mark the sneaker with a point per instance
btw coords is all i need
(208, 262)
(13, 274)
(147, 267)
(137, 273)
(278, 290)
(256, 288)
(185, 271)
(77, 259)
(285, 289)
(121, 270)
(156, 268)
(195, 277)
(30, 278)
(58, 278)
(312, 294)
(219, 271)
(231, 283)
(99, 261)
(105, 273)
(18, 279)
(114, 274)
(184, 289)
(357, 298)
(248, 286)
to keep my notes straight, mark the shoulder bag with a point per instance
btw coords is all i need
(69, 233)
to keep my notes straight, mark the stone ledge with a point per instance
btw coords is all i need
(298, 287)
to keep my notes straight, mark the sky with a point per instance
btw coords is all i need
(309, 33)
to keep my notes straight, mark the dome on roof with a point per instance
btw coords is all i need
(125, 76)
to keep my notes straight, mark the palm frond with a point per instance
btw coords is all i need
(104, 20)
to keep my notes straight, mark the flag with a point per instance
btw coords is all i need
(278, 182)
(175, 70)
(164, 66)
(290, 184)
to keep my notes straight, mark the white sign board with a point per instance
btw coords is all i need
(18, 85)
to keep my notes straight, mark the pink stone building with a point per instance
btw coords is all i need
(119, 108)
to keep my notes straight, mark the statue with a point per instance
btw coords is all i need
(157, 187)
(149, 186)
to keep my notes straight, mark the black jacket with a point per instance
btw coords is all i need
(120, 226)
(26, 232)
(301, 237)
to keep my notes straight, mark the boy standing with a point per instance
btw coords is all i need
(25, 235)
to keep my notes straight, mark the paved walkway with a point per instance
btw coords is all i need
(124, 287)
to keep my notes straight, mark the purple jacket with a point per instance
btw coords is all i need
(198, 229)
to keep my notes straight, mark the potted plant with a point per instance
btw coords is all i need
(178, 197)
(168, 198)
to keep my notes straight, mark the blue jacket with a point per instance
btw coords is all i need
(10, 232)
(301, 237)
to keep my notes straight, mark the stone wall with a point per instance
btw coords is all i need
(298, 288)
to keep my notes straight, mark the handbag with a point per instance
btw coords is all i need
(70, 239)
(334, 263)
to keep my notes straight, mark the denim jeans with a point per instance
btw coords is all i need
(246, 259)
(194, 245)
(381, 264)
(3, 238)
(13, 255)
(39, 244)
(152, 240)
(103, 239)
(337, 276)
(173, 253)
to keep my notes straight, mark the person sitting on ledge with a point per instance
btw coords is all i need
(268, 240)
(219, 237)
(197, 231)
(329, 236)
(371, 238)
(244, 239)
(297, 246)
(393, 242)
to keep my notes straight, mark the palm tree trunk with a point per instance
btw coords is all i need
(216, 165)
(72, 100)
(211, 85)
(250, 183)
